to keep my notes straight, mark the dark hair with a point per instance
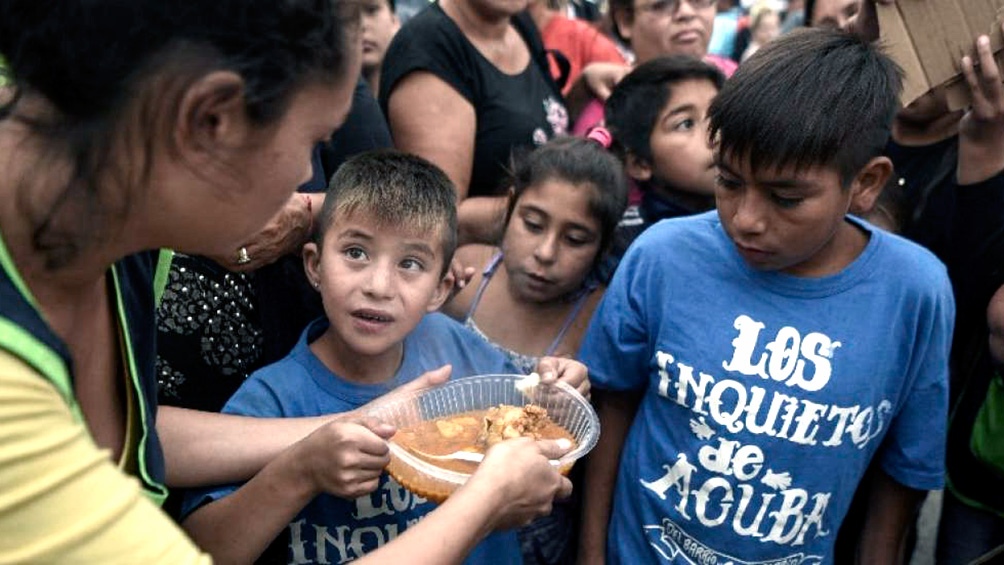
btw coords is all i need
(810, 6)
(615, 7)
(634, 105)
(395, 189)
(580, 162)
(102, 64)
(812, 97)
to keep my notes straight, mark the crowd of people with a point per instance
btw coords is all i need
(228, 229)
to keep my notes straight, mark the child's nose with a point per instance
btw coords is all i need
(750, 214)
(547, 248)
(380, 283)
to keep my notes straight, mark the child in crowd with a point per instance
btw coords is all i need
(658, 115)
(386, 237)
(380, 23)
(745, 366)
(536, 293)
(652, 29)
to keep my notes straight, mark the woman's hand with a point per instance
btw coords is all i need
(518, 478)
(285, 233)
(570, 371)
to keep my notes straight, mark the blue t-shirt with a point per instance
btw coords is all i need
(336, 530)
(766, 395)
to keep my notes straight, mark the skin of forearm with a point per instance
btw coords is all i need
(892, 507)
(616, 412)
(480, 219)
(448, 534)
(979, 162)
(237, 528)
(206, 448)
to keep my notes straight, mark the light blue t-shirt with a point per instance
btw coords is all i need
(337, 530)
(766, 395)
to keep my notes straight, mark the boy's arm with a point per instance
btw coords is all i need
(205, 448)
(892, 508)
(981, 132)
(343, 459)
(616, 411)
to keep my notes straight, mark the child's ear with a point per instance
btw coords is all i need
(312, 264)
(444, 290)
(637, 168)
(868, 184)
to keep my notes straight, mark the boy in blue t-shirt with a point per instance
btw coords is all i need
(749, 363)
(380, 260)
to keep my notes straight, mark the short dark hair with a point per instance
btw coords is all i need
(581, 162)
(618, 6)
(810, 6)
(814, 97)
(395, 189)
(634, 105)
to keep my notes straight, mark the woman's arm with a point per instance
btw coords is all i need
(205, 448)
(480, 220)
(429, 118)
(343, 459)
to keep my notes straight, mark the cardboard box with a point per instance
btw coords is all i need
(928, 39)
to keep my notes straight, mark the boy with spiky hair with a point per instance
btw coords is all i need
(380, 259)
(749, 363)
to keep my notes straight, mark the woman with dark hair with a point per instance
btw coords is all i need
(142, 125)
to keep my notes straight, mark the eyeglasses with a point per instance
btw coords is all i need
(669, 7)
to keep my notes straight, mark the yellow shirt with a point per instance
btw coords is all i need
(62, 499)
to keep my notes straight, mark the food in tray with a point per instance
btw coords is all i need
(475, 432)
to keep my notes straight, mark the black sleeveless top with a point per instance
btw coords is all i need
(512, 111)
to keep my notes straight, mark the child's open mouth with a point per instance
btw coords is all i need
(372, 316)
